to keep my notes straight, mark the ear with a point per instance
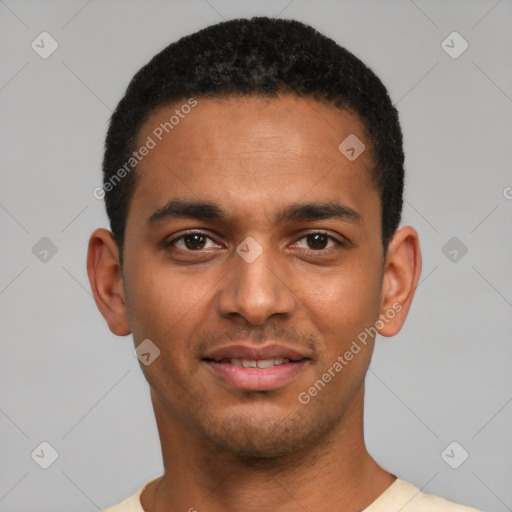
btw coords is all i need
(401, 275)
(104, 271)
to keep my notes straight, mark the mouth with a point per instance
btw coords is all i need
(254, 363)
(252, 370)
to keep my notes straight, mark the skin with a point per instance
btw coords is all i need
(224, 448)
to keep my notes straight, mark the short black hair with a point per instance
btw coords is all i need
(258, 56)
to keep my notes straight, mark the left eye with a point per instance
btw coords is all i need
(197, 240)
(319, 240)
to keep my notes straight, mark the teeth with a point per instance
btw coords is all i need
(266, 363)
(262, 363)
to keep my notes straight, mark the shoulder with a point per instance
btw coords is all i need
(405, 497)
(130, 504)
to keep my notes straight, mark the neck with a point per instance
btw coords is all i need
(335, 474)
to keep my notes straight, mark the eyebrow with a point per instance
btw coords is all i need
(207, 210)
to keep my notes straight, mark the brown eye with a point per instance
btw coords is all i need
(318, 241)
(194, 241)
(190, 242)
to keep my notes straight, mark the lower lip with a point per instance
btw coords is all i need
(256, 379)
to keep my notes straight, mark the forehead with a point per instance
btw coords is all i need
(251, 150)
(215, 126)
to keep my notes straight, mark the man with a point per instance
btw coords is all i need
(253, 178)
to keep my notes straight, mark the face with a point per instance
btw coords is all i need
(253, 260)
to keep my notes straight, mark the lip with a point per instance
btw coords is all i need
(271, 351)
(255, 379)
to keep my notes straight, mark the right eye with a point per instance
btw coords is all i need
(193, 241)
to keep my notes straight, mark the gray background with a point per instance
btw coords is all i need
(66, 380)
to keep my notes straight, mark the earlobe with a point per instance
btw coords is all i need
(401, 276)
(104, 271)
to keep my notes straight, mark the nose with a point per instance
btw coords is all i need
(256, 289)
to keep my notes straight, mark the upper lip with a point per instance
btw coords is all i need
(248, 352)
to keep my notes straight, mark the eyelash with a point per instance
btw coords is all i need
(339, 243)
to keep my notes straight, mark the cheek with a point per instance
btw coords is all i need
(163, 309)
(168, 306)
(160, 299)
(345, 300)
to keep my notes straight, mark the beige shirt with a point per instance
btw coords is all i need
(400, 496)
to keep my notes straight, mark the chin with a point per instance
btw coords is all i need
(264, 439)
